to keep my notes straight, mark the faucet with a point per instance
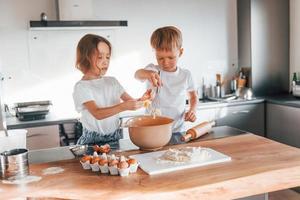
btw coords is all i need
(2, 115)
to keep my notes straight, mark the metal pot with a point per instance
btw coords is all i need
(14, 164)
(150, 133)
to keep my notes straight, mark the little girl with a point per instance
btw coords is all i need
(98, 97)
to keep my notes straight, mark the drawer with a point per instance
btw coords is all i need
(43, 137)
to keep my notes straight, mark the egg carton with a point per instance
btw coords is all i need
(102, 163)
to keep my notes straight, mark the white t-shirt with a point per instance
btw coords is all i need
(105, 91)
(172, 96)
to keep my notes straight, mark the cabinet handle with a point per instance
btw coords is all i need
(35, 135)
(242, 111)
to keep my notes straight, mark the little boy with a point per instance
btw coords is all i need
(174, 83)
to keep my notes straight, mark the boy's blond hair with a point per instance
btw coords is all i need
(166, 38)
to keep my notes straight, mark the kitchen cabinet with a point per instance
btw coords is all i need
(45, 133)
(283, 124)
(248, 117)
(43, 137)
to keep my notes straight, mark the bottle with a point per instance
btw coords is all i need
(204, 94)
(197, 131)
(233, 85)
(218, 86)
(294, 81)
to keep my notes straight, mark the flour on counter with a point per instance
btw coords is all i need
(184, 155)
(25, 180)
(52, 170)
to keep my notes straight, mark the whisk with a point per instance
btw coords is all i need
(155, 102)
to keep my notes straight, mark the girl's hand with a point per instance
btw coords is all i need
(146, 96)
(190, 116)
(132, 105)
(154, 78)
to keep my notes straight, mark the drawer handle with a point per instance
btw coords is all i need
(243, 111)
(35, 135)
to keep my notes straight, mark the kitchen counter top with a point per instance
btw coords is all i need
(52, 118)
(284, 99)
(237, 102)
(258, 165)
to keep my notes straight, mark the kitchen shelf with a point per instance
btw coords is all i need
(69, 25)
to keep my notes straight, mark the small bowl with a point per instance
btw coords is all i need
(78, 150)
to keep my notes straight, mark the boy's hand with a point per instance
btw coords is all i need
(154, 78)
(132, 104)
(190, 116)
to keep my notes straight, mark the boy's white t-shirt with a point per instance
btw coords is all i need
(173, 94)
(105, 91)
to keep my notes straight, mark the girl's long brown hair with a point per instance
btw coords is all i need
(86, 49)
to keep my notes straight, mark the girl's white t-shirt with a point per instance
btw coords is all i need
(172, 96)
(105, 91)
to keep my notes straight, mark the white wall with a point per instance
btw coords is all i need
(209, 39)
(294, 37)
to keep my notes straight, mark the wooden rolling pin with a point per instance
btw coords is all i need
(197, 131)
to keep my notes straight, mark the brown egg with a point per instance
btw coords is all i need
(86, 158)
(123, 164)
(132, 161)
(104, 148)
(96, 148)
(94, 160)
(113, 163)
(102, 162)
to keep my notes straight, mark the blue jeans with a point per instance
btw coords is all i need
(93, 137)
(176, 138)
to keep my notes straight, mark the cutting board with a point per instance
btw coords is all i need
(148, 162)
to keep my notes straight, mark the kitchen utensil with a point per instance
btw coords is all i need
(158, 87)
(150, 133)
(26, 111)
(244, 93)
(155, 102)
(217, 88)
(218, 91)
(241, 82)
(233, 85)
(197, 131)
(14, 164)
(148, 162)
(78, 150)
(215, 92)
(296, 90)
(218, 79)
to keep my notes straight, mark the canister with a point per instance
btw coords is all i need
(14, 164)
